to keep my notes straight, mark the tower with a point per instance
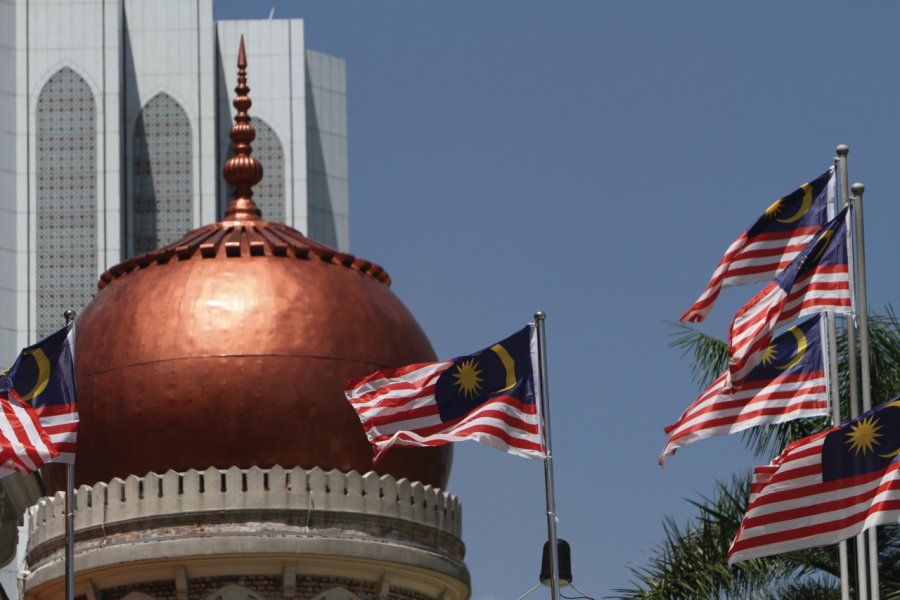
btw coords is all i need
(217, 457)
(116, 119)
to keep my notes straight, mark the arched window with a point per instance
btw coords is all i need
(234, 592)
(66, 198)
(268, 194)
(163, 174)
(337, 593)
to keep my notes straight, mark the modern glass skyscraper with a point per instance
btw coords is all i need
(114, 121)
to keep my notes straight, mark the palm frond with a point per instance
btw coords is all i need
(709, 355)
(690, 562)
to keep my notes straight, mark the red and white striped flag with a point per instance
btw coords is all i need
(488, 396)
(790, 383)
(777, 237)
(816, 280)
(42, 382)
(24, 445)
(825, 488)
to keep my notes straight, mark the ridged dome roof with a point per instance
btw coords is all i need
(231, 347)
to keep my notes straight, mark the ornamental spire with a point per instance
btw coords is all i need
(242, 171)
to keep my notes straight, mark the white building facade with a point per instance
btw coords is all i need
(114, 131)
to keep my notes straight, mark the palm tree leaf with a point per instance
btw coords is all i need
(709, 355)
(690, 561)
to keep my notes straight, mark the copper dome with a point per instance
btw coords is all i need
(232, 347)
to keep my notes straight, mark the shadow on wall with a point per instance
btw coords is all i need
(224, 119)
(132, 110)
(317, 192)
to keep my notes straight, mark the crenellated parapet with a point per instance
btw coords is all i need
(334, 523)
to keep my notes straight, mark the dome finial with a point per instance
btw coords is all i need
(242, 171)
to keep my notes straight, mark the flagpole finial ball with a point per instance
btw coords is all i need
(540, 315)
(857, 189)
(843, 150)
(69, 316)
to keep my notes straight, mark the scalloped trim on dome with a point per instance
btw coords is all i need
(234, 239)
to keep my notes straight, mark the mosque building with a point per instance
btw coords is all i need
(217, 457)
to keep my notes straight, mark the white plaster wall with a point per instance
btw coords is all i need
(193, 62)
(179, 62)
(275, 75)
(82, 35)
(11, 329)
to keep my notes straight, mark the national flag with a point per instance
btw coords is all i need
(43, 378)
(789, 383)
(817, 279)
(24, 445)
(488, 396)
(825, 488)
(777, 237)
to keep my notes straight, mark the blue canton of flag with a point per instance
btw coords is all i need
(43, 377)
(476, 378)
(867, 445)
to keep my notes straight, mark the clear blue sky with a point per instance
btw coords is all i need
(593, 160)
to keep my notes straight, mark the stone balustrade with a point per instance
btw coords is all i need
(292, 524)
(254, 494)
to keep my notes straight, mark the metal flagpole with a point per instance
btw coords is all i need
(539, 317)
(70, 510)
(862, 309)
(844, 195)
(835, 395)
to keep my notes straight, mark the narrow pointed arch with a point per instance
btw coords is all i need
(66, 198)
(337, 593)
(162, 174)
(234, 592)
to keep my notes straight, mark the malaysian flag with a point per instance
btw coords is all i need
(777, 237)
(488, 396)
(825, 488)
(818, 279)
(24, 444)
(789, 383)
(43, 378)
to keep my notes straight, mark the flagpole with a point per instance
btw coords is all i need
(549, 489)
(835, 397)
(862, 310)
(844, 195)
(70, 511)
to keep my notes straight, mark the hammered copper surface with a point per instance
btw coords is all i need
(231, 347)
(239, 360)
